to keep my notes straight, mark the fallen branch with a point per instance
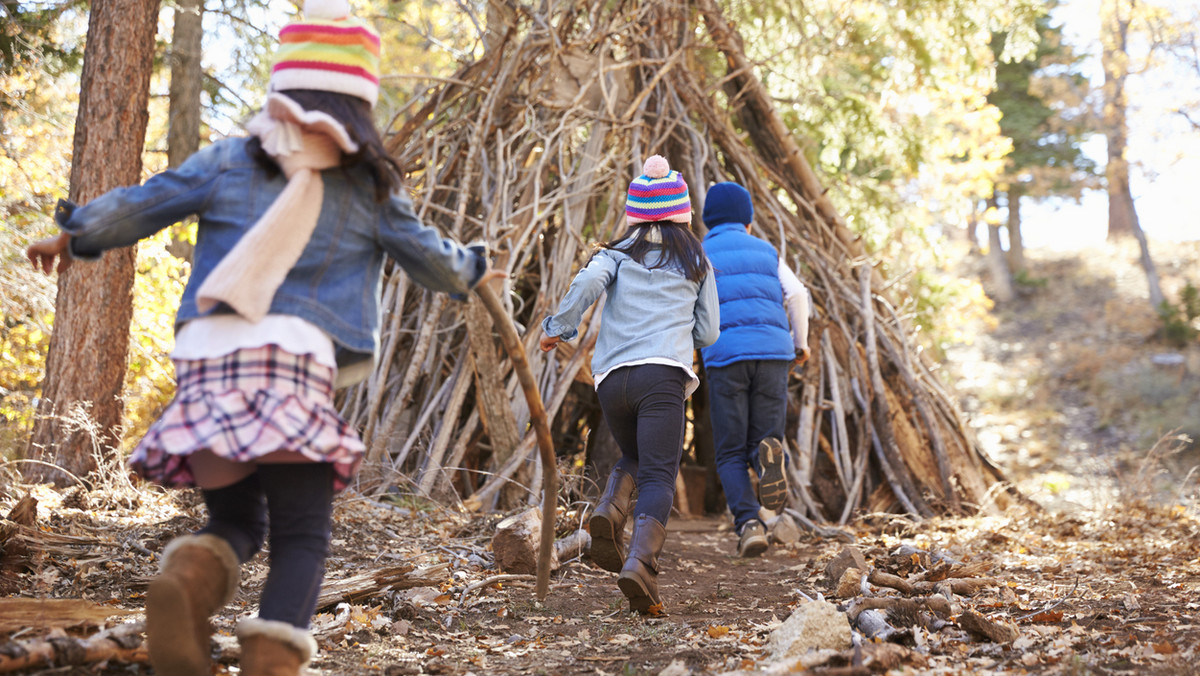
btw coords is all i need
(829, 533)
(20, 613)
(123, 643)
(487, 582)
(963, 586)
(981, 627)
(374, 583)
(937, 605)
(573, 545)
(882, 579)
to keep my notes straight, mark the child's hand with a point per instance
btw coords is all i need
(491, 275)
(549, 343)
(803, 356)
(43, 252)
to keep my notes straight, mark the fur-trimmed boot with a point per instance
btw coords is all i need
(274, 648)
(639, 576)
(607, 525)
(198, 575)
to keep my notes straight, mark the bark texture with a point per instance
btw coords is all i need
(85, 366)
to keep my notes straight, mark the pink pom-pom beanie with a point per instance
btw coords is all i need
(659, 194)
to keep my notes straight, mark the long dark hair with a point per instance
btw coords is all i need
(679, 246)
(355, 114)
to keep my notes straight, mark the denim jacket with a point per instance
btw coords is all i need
(650, 313)
(337, 281)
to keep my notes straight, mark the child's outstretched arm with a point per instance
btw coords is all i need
(122, 216)
(435, 262)
(587, 286)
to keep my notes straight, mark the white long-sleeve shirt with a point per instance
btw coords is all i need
(796, 303)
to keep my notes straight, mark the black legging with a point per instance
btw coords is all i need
(643, 406)
(295, 503)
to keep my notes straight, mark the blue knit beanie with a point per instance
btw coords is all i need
(727, 203)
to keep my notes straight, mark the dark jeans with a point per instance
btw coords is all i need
(294, 503)
(643, 406)
(747, 403)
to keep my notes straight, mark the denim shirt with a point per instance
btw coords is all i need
(337, 281)
(650, 313)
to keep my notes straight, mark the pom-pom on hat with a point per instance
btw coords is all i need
(658, 195)
(330, 51)
(727, 203)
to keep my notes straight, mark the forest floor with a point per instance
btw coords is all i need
(1062, 388)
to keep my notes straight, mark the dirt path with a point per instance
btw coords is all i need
(719, 608)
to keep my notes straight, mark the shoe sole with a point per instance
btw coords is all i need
(604, 549)
(170, 634)
(636, 592)
(753, 548)
(772, 484)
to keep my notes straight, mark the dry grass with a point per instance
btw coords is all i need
(1074, 405)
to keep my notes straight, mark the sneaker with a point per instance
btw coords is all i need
(772, 482)
(752, 541)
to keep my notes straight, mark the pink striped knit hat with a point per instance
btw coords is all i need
(658, 195)
(330, 51)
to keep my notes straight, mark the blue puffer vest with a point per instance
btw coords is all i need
(754, 324)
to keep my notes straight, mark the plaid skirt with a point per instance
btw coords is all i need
(243, 406)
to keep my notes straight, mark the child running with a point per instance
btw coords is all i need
(283, 301)
(661, 307)
(764, 312)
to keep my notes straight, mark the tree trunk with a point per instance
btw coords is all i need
(183, 124)
(1016, 246)
(1114, 14)
(1157, 299)
(1122, 216)
(973, 222)
(1002, 287)
(85, 365)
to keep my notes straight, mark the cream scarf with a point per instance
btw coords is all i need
(303, 143)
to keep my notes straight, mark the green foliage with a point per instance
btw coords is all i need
(1179, 320)
(890, 102)
(1043, 98)
(1026, 279)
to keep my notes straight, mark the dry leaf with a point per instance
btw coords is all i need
(1048, 616)
(717, 631)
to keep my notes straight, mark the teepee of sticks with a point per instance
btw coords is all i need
(531, 149)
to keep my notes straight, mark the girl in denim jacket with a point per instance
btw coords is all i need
(283, 299)
(661, 307)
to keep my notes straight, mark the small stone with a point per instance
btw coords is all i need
(850, 585)
(849, 557)
(814, 625)
(783, 530)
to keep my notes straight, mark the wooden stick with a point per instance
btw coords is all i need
(123, 643)
(537, 417)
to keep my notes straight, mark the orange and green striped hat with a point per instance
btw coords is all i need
(329, 51)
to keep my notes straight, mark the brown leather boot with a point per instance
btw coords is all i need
(607, 525)
(198, 575)
(273, 648)
(639, 576)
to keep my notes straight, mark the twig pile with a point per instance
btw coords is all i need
(531, 149)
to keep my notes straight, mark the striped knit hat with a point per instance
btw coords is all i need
(658, 195)
(330, 51)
